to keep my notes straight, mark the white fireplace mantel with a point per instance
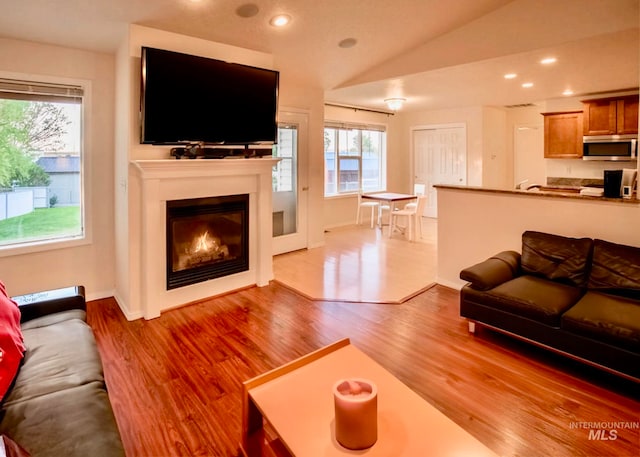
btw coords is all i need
(164, 180)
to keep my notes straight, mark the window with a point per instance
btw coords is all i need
(40, 163)
(354, 158)
(283, 175)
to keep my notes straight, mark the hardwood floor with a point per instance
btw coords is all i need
(174, 382)
(360, 264)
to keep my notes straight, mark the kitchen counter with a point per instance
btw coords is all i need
(544, 191)
(475, 222)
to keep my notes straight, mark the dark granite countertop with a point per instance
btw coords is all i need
(545, 191)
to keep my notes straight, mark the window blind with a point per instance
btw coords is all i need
(38, 91)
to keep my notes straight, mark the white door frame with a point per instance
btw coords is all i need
(300, 238)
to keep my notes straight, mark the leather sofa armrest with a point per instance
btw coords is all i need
(494, 271)
(49, 302)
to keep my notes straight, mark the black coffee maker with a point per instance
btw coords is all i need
(612, 183)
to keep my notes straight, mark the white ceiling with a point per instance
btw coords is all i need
(435, 53)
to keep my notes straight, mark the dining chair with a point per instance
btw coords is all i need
(366, 204)
(418, 190)
(382, 209)
(413, 216)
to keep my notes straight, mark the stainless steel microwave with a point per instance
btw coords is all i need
(610, 147)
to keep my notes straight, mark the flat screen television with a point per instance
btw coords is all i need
(187, 99)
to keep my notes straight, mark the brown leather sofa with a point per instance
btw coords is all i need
(577, 296)
(58, 404)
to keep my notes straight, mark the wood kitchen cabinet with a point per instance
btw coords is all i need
(611, 116)
(563, 135)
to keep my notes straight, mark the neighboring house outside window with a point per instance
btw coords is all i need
(41, 186)
(64, 172)
(354, 158)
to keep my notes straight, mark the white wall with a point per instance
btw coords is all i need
(94, 264)
(128, 147)
(471, 116)
(554, 168)
(497, 160)
(91, 264)
(299, 95)
(489, 158)
(490, 148)
(530, 161)
(341, 210)
(474, 225)
(292, 94)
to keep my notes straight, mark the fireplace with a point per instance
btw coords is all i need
(155, 185)
(207, 238)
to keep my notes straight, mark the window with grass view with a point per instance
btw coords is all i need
(40, 163)
(353, 159)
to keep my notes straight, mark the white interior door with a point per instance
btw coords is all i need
(290, 183)
(439, 157)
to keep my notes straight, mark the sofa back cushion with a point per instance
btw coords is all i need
(557, 258)
(615, 269)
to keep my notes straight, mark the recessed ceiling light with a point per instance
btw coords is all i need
(567, 92)
(280, 20)
(548, 60)
(247, 10)
(527, 85)
(348, 43)
(510, 76)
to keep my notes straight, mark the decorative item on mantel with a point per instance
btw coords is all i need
(356, 413)
(199, 150)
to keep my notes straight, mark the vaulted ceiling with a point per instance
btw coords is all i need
(434, 53)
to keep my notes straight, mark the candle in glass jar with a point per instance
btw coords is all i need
(356, 413)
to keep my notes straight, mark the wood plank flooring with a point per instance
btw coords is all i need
(361, 264)
(174, 382)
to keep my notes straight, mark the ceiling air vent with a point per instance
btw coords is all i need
(521, 105)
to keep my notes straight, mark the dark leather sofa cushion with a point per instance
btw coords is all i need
(529, 296)
(608, 318)
(556, 257)
(493, 271)
(615, 269)
(71, 422)
(61, 353)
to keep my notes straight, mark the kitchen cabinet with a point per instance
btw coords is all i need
(611, 116)
(563, 135)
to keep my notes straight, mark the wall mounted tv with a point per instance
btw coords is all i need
(188, 99)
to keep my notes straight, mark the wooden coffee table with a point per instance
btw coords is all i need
(295, 401)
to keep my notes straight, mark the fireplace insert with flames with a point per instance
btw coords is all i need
(207, 238)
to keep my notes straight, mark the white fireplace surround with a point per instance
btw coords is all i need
(164, 180)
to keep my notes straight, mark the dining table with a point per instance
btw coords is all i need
(392, 198)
